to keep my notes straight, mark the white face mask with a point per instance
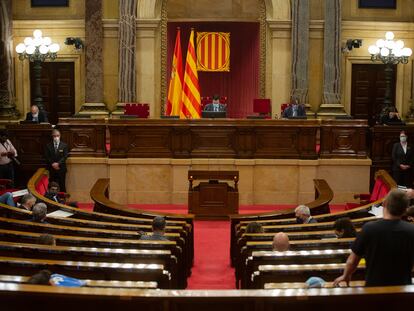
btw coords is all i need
(56, 140)
(403, 139)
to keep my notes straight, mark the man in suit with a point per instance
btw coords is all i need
(215, 105)
(37, 116)
(402, 159)
(294, 110)
(56, 153)
(303, 215)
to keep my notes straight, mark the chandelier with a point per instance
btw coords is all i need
(37, 48)
(389, 51)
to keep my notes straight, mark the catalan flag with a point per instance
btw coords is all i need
(191, 99)
(213, 51)
(175, 87)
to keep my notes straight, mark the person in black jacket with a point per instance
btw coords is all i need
(56, 153)
(402, 159)
(37, 116)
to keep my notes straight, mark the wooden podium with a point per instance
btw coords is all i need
(212, 198)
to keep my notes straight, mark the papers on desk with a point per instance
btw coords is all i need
(20, 193)
(377, 211)
(59, 213)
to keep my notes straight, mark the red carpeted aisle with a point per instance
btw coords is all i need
(211, 268)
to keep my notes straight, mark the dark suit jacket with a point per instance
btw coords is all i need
(210, 107)
(60, 156)
(399, 157)
(54, 197)
(288, 112)
(41, 118)
(312, 221)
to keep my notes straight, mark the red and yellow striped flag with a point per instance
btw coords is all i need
(191, 99)
(213, 51)
(175, 87)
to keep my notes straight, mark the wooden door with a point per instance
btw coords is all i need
(368, 90)
(58, 90)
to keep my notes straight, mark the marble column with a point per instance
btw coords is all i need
(300, 50)
(331, 101)
(94, 104)
(127, 49)
(7, 105)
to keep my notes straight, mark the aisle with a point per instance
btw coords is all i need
(211, 256)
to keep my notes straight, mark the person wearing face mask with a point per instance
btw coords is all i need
(56, 153)
(303, 215)
(7, 154)
(294, 110)
(36, 116)
(402, 159)
(344, 228)
(391, 117)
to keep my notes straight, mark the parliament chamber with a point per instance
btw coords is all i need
(158, 154)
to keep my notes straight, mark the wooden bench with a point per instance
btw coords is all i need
(260, 258)
(323, 195)
(89, 270)
(300, 273)
(147, 256)
(50, 298)
(19, 279)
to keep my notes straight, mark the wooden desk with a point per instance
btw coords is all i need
(206, 138)
(213, 198)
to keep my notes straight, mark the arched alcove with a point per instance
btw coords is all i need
(218, 11)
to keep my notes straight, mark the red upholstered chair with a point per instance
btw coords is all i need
(379, 191)
(41, 186)
(283, 107)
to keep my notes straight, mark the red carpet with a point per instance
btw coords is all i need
(211, 256)
(211, 244)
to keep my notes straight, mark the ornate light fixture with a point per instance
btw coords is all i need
(390, 53)
(37, 49)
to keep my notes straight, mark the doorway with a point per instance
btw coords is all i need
(368, 90)
(58, 89)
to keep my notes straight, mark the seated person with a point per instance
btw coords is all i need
(392, 117)
(294, 110)
(281, 242)
(315, 282)
(47, 239)
(344, 228)
(7, 198)
(215, 105)
(254, 227)
(303, 215)
(36, 115)
(45, 277)
(158, 230)
(52, 194)
(27, 202)
(39, 213)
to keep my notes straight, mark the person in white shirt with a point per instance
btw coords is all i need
(7, 153)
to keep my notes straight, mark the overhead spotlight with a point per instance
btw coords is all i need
(77, 42)
(352, 43)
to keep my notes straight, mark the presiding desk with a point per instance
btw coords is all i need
(213, 138)
(213, 199)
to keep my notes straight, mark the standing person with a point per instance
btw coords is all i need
(387, 246)
(37, 116)
(402, 159)
(56, 153)
(7, 154)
